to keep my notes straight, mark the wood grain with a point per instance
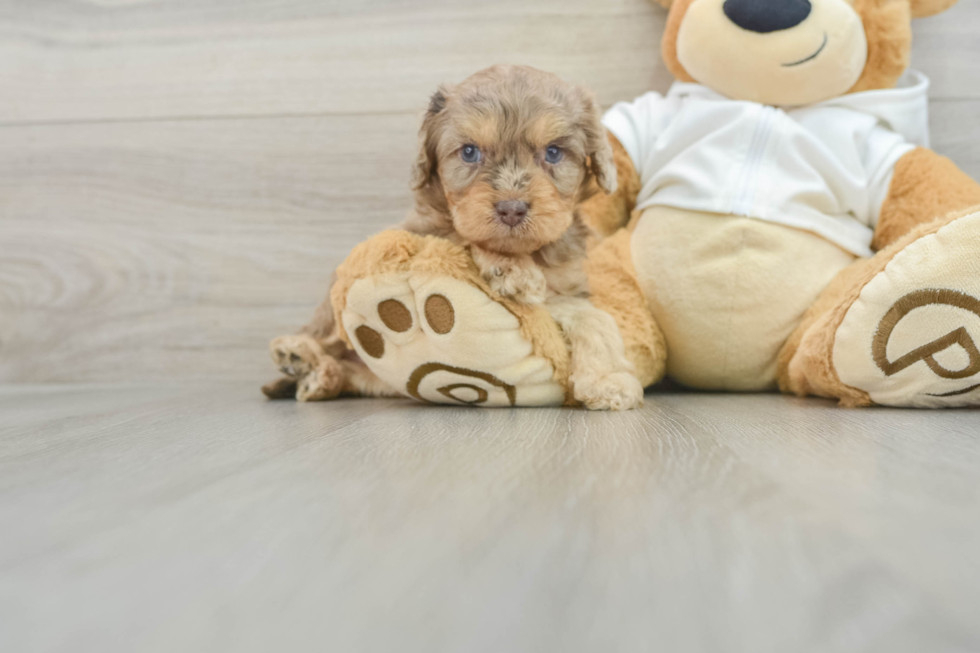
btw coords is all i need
(161, 518)
(137, 60)
(69, 60)
(126, 249)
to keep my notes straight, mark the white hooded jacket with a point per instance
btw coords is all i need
(824, 168)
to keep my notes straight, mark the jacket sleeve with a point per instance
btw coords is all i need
(638, 124)
(633, 131)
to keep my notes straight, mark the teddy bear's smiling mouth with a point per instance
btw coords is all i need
(826, 39)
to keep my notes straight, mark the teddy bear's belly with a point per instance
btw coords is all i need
(728, 291)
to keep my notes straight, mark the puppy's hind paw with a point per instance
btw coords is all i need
(326, 382)
(616, 391)
(296, 356)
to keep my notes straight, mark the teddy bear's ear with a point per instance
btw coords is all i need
(923, 8)
(663, 3)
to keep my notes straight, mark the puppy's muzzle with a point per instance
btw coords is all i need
(511, 212)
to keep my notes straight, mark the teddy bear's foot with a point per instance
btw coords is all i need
(443, 340)
(911, 337)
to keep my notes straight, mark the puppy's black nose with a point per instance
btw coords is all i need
(511, 212)
(764, 16)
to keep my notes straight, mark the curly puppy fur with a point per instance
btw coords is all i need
(508, 135)
(510, 116)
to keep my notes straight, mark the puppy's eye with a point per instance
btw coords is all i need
(470, 154)
(553, 154)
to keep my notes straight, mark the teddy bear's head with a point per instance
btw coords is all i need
(792, 52)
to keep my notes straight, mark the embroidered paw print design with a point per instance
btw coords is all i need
(953, 356)
(913, 336)
(441, 340)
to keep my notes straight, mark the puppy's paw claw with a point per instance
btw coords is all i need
(616, 391)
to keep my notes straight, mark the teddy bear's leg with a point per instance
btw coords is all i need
(614, 288)
(418, 314)
(899, 329)
(924, 187)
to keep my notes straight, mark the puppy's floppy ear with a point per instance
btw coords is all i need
(425, 165)
(597, 146)
(924, 8)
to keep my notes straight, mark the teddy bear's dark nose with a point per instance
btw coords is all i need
(766, 16)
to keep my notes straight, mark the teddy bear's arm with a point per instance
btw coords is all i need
(608, 213)
(925, 186)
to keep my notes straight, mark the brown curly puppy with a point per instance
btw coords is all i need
(506, 158)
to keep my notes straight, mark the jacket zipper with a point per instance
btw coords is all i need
(745, 196)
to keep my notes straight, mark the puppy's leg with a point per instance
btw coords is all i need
(517, 277)
(602, 378)
(348, 377)
(310, 359)
(313, 374)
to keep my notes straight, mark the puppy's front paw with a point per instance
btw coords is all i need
(615, 391)
(523, 283)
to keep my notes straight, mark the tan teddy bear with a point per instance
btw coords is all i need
(789, 230)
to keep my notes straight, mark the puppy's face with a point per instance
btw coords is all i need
(512, 151)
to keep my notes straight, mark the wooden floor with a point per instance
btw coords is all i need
(199, 518)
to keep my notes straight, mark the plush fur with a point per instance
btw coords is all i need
(924, 184)
(888, 30)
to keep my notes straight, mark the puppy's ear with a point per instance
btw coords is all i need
(427, 161)
(600, 152)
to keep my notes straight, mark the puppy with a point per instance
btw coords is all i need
(505, 160)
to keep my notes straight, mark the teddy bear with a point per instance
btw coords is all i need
(779, 225)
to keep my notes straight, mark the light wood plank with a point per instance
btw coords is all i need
(67, 60)
(202, 519)
(126, 249)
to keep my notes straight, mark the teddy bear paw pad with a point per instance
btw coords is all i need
(441, 340)
(913, 336)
